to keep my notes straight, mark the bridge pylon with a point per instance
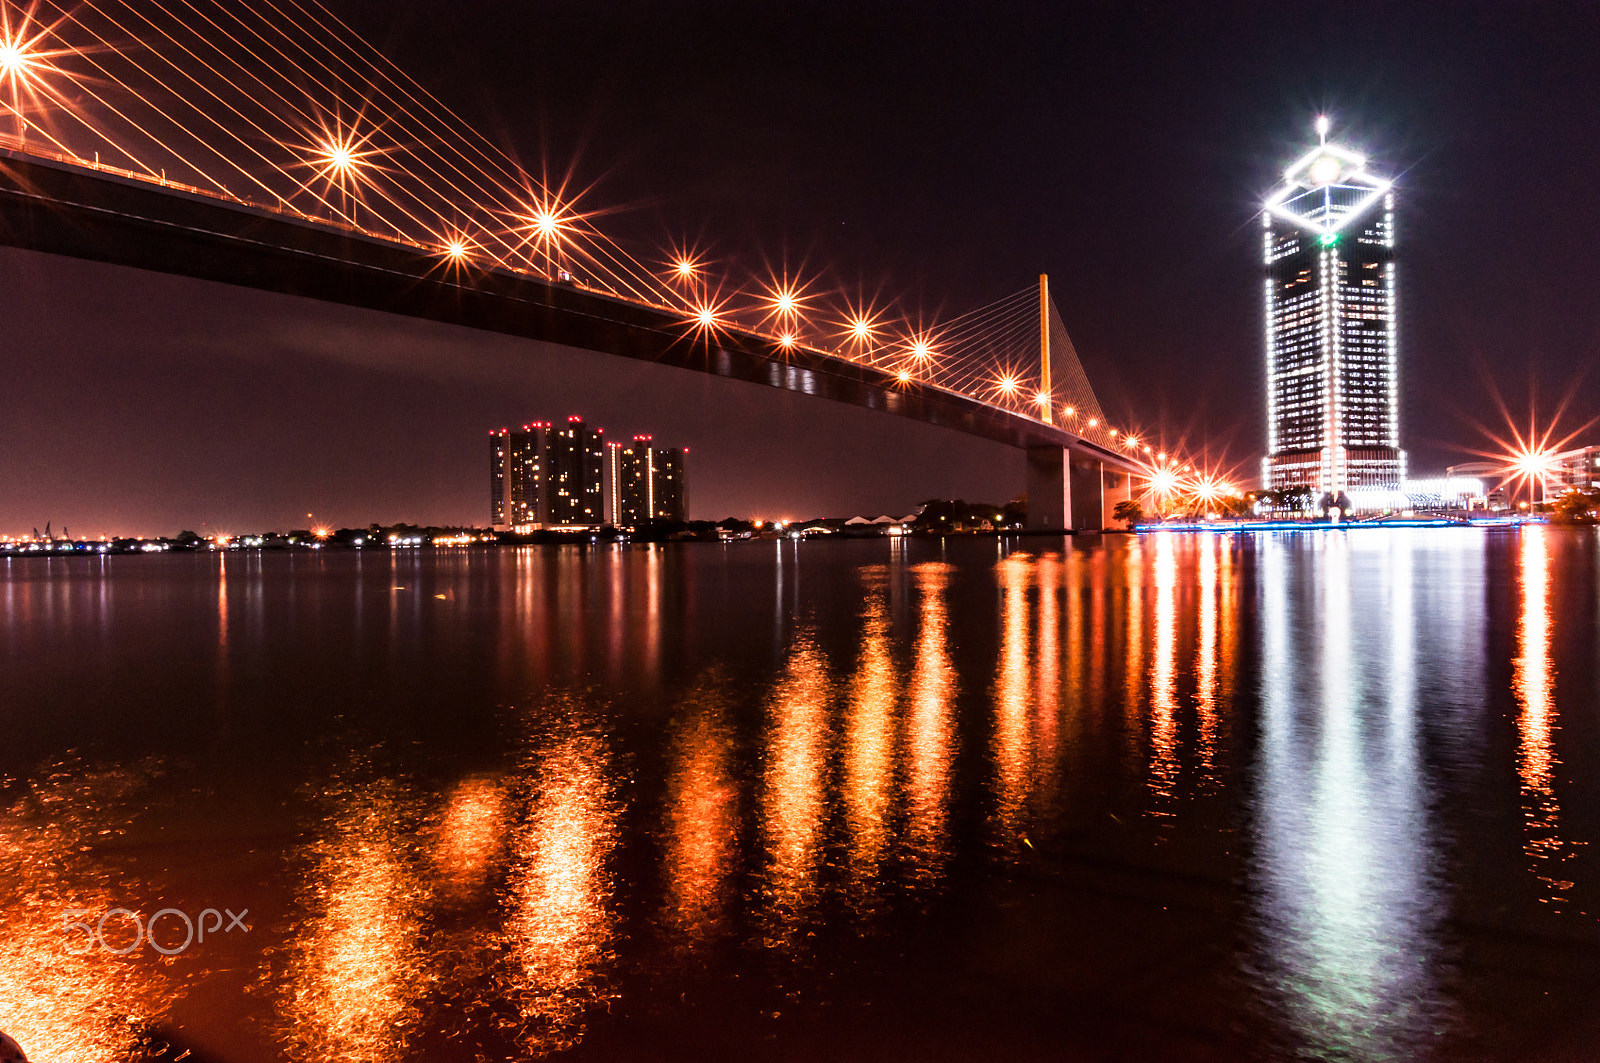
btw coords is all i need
(1073, 490)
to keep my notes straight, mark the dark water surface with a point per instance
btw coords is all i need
(1323, 796)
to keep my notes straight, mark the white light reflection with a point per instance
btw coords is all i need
(1206, 658)
(1047, 686)
(1348, 904)
(1164, 766)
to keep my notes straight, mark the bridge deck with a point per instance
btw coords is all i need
(80, 212)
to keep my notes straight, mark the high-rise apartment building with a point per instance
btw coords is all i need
(541, 475)
(645, 482)
(577, 457)
(1333, 386)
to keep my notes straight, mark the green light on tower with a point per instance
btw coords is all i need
(1330, 239)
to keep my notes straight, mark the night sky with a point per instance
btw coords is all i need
(943, 154)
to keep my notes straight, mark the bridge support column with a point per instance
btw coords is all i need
(1049, 493)
(1118, 488)
(1087, 485)
(1071, 492)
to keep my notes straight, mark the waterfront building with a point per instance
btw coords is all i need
(542, 476)
(1333, 385)
(1445, 492)
(1578, 468)
(649, 482)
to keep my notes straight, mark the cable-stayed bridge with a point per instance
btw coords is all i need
(265, 144)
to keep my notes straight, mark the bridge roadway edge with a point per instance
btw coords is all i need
(66, 210)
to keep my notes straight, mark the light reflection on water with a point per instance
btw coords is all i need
(1349, 905)
(59, 1005)
(871, 720)
(585, 775)
(1533, 680)
(357, 971)
(930, 741)
(795, 781)
(559, 899)
(1013, 752)
(702, 817)
(1164, 766)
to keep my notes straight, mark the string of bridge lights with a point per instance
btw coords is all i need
(281, 106)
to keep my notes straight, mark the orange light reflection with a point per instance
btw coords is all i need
(471, 835)
(560, 924)
(1012, 745)
(1533, 682)
(869, 729)
(929, 730)
(59, 1006)
(702, 818)
(792, 804)
(357, 971)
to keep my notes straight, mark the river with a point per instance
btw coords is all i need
(1319, 795)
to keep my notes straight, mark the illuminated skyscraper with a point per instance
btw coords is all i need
(1333, 387)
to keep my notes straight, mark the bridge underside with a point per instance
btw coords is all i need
(1072, 489)
(67, 210)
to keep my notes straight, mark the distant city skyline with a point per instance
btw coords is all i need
(938, 184)
(547, 475)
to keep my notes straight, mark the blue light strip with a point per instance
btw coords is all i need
(1302, 526)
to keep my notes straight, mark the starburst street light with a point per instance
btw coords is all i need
(25, 64)
(1161, 484)
(783, 303)
(340, 156)
(920, 346)
(1530, 460)
(1534, 467)
(707, 316)
(860, 328)
(549, 224)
